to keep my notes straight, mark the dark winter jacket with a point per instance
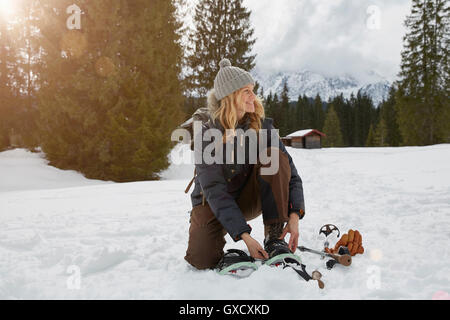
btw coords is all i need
(220, 184)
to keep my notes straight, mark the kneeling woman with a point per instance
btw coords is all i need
(226, 195)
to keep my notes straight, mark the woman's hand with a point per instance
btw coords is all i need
(253, 246)
(292, 228)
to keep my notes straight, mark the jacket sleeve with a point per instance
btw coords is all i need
(222, 203)
(296, 198)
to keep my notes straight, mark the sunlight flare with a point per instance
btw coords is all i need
(7, 7)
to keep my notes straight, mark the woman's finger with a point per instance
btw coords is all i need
(285, 231)
(259, 254)
(293, 241)
(264, 254)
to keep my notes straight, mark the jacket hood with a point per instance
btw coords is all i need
(211, 102)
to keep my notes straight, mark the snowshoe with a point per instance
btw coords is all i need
(237, 263)
(280, 255)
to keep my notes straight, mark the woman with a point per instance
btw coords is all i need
(227, 195)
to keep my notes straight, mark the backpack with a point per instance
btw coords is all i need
(203, 115)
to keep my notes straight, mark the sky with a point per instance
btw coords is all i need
(331, 37)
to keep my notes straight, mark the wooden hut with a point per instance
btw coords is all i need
(308, 139)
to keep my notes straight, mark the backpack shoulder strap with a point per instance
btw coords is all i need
(190, 183)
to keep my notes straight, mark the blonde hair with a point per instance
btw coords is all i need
(227, 113)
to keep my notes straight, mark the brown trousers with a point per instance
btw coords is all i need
(266, 194)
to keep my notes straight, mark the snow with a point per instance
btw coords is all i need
(21, 170)
(300, 133)
(63, 236)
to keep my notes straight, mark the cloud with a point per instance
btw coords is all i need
(331, 37)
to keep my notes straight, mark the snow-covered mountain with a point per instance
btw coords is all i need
(303, 81)
(377, 91)
(312, 83)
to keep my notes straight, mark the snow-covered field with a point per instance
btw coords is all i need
(63, 236)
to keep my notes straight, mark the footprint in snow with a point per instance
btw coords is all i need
(103, 260)
(20, 239)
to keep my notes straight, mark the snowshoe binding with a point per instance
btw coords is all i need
(237, 263)
(280, 255)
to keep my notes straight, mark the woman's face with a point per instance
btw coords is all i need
(248, 98)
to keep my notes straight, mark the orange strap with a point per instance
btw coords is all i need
(190, 183)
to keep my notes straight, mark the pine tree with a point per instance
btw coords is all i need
(389, 115)
(275, 109)
(222, 31)
(112, 94)
(319, 114)
(268, 106)
(16, 83)
(371, 140)
(359, 137)
(364, 111)
(304, 112)
(380, 134)
(332, 129)
(27, 69)
(350, 106)
(343, 111)
(284, 125)
(422, 99)
(297, 115)
(256, 87)
(6, 90)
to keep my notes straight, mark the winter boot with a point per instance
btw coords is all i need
(279, 253)
(276, 248)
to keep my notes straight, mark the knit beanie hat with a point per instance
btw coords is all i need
(229, 79)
